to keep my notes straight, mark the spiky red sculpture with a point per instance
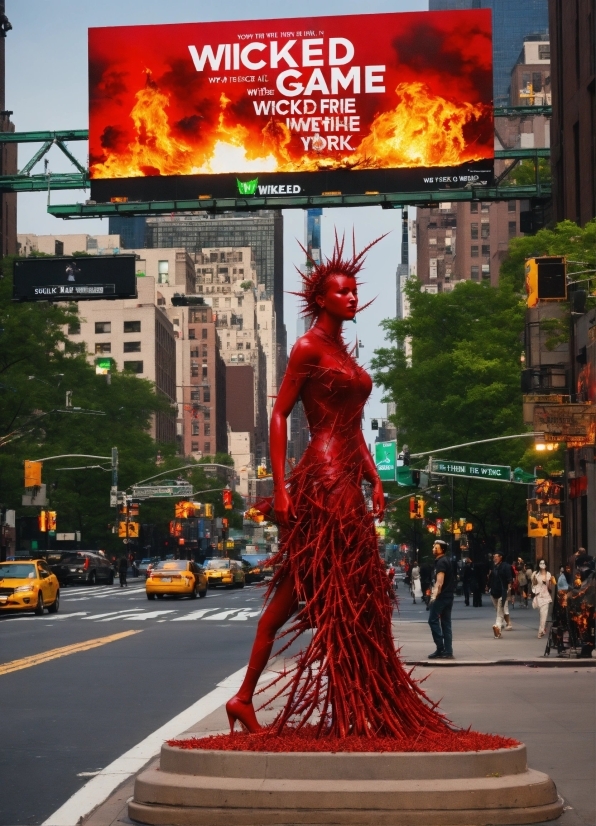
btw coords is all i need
(348, 681)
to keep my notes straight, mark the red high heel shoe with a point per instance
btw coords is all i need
(244, 713)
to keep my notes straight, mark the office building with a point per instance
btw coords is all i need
(573, 157)
(131, 229)
(513, 22)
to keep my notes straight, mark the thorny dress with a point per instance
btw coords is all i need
(348, 679)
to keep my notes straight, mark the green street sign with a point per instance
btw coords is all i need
(449, 467)
(386, 460)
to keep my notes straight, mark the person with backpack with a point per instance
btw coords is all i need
(499, 587)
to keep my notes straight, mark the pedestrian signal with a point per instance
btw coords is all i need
(225, 523)
(416, 507)
(122, 529)
(208, 507)
(32, 474)
(51, 519)
(133, 529)
(42, 521)
(133, 509)
(227, 499)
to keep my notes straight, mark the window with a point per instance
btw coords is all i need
(194, 353)
(512, 228)
(194, 371)
(485, 230)
(194, 447)
(228, 302)
(474, 207)
(194, 429)
(191, 332)
(133, 366)
(207, 447)
(537, 81)
(216, 302)
(484, 207)
(474, 231)
(163, 272)
(205, 351)
(103, 347)
(74, 329)
(92, 243)
(544, 51)
(474, 251)
(132, 346)
(58, 247)
(240, 357)
(207, 428)
(486, 249)
(239, 300)
(103, 327)
(240, 345)
(204, 332)
(195, 395)
(207, 415)
(206, 395)
(132, 326)
(204, 371)
(510, 206)
(474, 272)
(262, 308)
(248, 345)
(486, 271)
(432, 240)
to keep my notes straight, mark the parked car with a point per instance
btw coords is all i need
(228, 572)
(176, 577)
(28, 586)
(81, 566)
(256, 567)
(143, 566)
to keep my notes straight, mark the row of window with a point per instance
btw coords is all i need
(194, 371)
(475, 271)
(105, 347)
(485, 250)
(194, 353)
(192, 333)
(195, 394)
(206, 447)
(196, 429)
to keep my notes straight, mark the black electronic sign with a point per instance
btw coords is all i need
(80, 278)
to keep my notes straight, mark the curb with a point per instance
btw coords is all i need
(529, 663)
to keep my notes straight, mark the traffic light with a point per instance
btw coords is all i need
(227, 499)
(208, 508)
(546, 279)
(416, 507)
(184, 510)
(32, 474)
(133, 509)
(225, 523)
(122, 530)
(133, 530)
(51, 520)
(42, 521)
(420, 506)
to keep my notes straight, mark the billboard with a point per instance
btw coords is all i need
(346, 105)
(81, 278)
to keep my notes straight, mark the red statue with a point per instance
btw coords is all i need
(349, 679)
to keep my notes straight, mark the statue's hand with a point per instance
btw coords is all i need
(378, 500)
(283, 508)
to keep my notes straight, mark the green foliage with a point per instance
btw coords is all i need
(524, 173)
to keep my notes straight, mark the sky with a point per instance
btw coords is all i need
(46, 88)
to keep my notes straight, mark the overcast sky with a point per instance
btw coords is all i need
(46, 88)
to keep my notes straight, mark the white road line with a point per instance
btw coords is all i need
(66, 616)
(193, 615)
(112, 613)
(222, 614)
(97, 790)
(148, 615)
(244, 614)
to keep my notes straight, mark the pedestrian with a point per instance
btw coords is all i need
(542, 582)
(478, 583)
(122, 571)
(426, 582)
(522, 582)
(415, 586)
(499, 586)
(466, 579)
(562, 583)
(441, 603)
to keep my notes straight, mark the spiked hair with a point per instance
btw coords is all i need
(314, 281)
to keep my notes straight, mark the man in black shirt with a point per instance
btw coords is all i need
(499, 585)
(441, 603)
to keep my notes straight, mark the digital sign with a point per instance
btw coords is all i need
(80, 278)
(304, 106)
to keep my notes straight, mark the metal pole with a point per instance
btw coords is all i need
(480, 442)
(114, 488)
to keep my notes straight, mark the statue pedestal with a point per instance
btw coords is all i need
(230, 788)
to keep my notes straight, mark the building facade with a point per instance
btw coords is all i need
(67, 244)
(573, 157)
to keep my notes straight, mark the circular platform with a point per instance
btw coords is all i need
(218, 788)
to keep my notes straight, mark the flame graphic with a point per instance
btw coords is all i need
(423, 130)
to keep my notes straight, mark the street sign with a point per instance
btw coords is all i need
(449, 467)
(161, 491)
(574, 424)
(386, 460)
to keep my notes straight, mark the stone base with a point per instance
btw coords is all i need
(217, 788)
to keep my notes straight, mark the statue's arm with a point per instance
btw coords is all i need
(371, 475)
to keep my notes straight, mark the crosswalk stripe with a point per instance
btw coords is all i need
(112, 613)
(244, 614)
(222, 614)
(194, 615)
(66, 616)
(148, 615)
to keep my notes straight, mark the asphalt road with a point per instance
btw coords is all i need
(74, 714)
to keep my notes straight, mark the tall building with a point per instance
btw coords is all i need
(131, 229)
(573, 157)
(513, 22)
(261, 231)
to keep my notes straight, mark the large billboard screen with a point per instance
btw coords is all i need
(79, 278)
(349, 104)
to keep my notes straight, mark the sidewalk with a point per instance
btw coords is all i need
(501, 699)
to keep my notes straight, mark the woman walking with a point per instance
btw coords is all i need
(416, 586)
(542, 582)
(522, 583)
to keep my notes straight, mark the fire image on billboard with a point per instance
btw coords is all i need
(354, 104)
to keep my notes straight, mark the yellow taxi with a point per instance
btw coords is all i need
(226, 572)
(176, 577)
(28, 586)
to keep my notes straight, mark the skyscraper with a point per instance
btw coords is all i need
(513, 22)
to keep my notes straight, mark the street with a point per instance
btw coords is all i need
(72, 715)
(68, 717)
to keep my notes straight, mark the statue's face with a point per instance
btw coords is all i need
(341, 297)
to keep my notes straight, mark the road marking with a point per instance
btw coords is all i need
(99, 788)
(66, 616)
(222, 614)
(55, 653)
(149, 615)
(194, 615)
(111, 613)
(244, 614)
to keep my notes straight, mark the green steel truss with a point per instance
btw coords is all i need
(24, 181)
